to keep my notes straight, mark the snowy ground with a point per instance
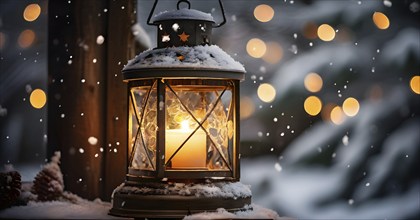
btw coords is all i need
(99, 210)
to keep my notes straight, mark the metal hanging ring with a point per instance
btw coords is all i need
(186, 1)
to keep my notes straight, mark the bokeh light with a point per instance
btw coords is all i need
(38, 98)
(274, 53)
(310, 30)
(26, 38)
(351, 106)
(312, 105)
(247, 107)
(313, 82)
(263, 13)
(415, 84)
(266, 92)
(256, 48)
(326, 111)
(381, 20)
(326, 32)
(31, 12)
(337, 116)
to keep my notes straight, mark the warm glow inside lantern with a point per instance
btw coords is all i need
(183, 123)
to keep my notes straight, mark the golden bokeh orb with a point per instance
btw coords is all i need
(274, 53)
(312, 105)
(26, 38)
(256, 48)
(326, 32)
(313, 82)
(381, 20)
(351, 106)
(263, 13)
(415, 84)
(38, 98)
(266, 92)
(247, 107)
(31, 12)
(337, 116)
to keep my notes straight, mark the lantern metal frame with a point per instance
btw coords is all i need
(137, 176)
(185, 76)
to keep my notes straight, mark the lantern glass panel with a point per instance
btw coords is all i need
(199, 126)
(144, 126)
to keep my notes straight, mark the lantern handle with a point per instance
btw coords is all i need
(189, 6)
(151, 13)
(223, 13)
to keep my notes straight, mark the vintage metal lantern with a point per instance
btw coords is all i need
(183, 138)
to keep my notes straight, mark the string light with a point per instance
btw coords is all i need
(313, 82)
(264, 13)
(266, 92)
(415, 84)
(326, 32)
(351, 106)
(381, 20)
(38, 98)
(274, 53)
(256, 48)
(312, 105)
(31, 12)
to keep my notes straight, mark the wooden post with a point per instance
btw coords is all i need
(121, 47)
(87, 108)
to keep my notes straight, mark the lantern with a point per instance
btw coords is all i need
(183, 130)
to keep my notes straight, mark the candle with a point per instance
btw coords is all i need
(193, 154)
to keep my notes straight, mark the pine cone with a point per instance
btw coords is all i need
(10, 184)
(48, 183)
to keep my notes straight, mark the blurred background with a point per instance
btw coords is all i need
(330, 124)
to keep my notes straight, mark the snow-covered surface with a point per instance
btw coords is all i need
(99, 210)
(60, 210)
(183, 13)
(206, 57)
(220, 189)
(257, 212)
(306, 189)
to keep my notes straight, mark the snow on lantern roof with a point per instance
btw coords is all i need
(183, 14)
(163, 62)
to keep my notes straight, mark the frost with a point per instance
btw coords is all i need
(182, 14)
(217, 189)
(92, 140)
(206, 57)
(253, 212)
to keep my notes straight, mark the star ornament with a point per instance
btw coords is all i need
(183, 37)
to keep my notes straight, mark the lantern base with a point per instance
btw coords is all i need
(141, 202)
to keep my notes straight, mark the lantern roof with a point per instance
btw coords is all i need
(183, 14)
(208, 61)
